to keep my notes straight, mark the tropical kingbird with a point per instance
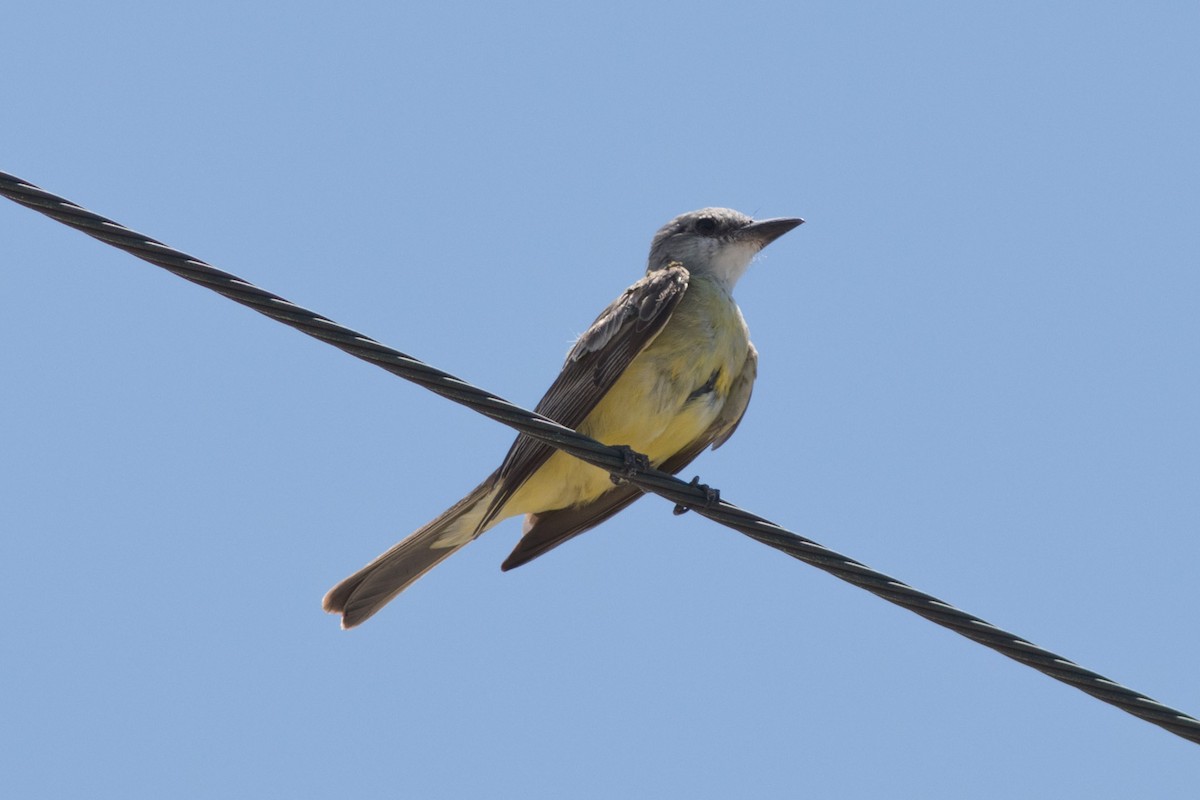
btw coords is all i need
(666, 370)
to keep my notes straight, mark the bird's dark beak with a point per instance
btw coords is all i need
(765, 231)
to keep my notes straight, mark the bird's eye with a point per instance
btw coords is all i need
(706, 226)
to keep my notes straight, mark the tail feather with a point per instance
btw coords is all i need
(368, 590)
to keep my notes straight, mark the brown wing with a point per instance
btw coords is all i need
(602, 353)
(548, 530)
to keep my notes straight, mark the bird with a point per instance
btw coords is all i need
(666, 370)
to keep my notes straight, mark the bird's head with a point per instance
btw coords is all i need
(718, 242)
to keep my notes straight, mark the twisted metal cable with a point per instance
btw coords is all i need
(613, 460)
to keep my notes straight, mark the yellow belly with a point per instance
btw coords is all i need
(648, 408)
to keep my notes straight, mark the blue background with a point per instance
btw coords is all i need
(979, 373)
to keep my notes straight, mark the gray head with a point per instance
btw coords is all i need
(715, 241)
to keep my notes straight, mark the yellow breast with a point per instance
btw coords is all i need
(668, 396)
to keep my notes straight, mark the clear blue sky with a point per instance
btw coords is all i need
(979, 373)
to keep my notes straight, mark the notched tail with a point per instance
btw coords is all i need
(358, 597)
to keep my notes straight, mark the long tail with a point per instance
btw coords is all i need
(368, 590)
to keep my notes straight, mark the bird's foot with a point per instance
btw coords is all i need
(635, 462)
(711, 496)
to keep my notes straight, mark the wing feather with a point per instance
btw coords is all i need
(547, 530)
(598, 358)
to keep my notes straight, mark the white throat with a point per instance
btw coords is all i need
(727, 261)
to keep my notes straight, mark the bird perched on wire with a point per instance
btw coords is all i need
(665, 370)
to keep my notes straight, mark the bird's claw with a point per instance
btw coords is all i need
(711, 496)
(634, 462)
